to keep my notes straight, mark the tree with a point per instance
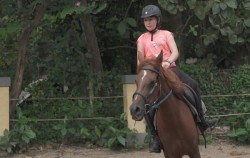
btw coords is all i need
(23, 41)
(22, 48)
(91, 39)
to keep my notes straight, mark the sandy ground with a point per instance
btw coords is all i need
(219, 149)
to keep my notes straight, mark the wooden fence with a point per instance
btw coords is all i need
(4, 104)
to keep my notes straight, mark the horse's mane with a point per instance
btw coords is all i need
(168, 75)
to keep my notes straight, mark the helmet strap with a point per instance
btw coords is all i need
(152, 33)
(154, 30)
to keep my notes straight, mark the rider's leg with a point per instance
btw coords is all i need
(210, 121)
(203, 107)
(204, 124)
(154, 144)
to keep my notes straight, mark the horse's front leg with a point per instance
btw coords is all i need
(169, 155)
(196, 153)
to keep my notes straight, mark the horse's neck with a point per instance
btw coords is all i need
(165, 87)
(172, 110)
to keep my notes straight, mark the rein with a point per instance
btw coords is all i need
(156, 104)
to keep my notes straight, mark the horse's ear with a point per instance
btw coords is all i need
(160, 57)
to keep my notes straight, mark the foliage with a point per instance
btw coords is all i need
(241, 134)
(19, 137)
(209, 139)
(211, 26)
(224, 82)
(106, 132)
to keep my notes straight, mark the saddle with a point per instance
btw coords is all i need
(194, 104)
(190, 97)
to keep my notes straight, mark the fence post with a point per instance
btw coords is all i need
(129, 88)
(4, 104)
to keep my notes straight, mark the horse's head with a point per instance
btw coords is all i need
(148, 87)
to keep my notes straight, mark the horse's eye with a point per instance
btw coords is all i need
(152, 84)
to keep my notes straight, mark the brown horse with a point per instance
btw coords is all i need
(162, 89)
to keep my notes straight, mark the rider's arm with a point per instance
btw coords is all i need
(140, 53)
(174, 50)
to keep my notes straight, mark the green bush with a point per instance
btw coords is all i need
(241, 134)
(20, 135)
(229, 83)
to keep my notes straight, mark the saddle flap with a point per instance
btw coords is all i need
(190, 98)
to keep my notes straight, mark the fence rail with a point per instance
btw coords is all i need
(112, 97)
(73, 98)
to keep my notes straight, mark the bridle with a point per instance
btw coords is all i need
(156, 104)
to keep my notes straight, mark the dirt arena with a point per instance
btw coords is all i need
(219, 149)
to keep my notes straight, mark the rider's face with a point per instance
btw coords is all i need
(150, 23)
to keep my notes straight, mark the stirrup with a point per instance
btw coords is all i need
(211, 122)
(207, 123)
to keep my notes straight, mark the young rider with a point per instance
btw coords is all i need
(149, 45)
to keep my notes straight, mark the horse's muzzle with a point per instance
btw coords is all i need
(137, 112)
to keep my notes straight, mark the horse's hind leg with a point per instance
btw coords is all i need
(196, 153)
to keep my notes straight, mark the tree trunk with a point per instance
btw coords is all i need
(96, 68)
(23, 42)
(92, 44)
(177, 26)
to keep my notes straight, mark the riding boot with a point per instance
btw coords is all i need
(211, 122)
(207, 123)
(154, 143)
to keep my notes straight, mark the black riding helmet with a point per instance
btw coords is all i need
(152, 10)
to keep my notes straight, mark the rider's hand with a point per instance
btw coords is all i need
(165, 64)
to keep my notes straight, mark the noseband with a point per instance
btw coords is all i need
(156, 104)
